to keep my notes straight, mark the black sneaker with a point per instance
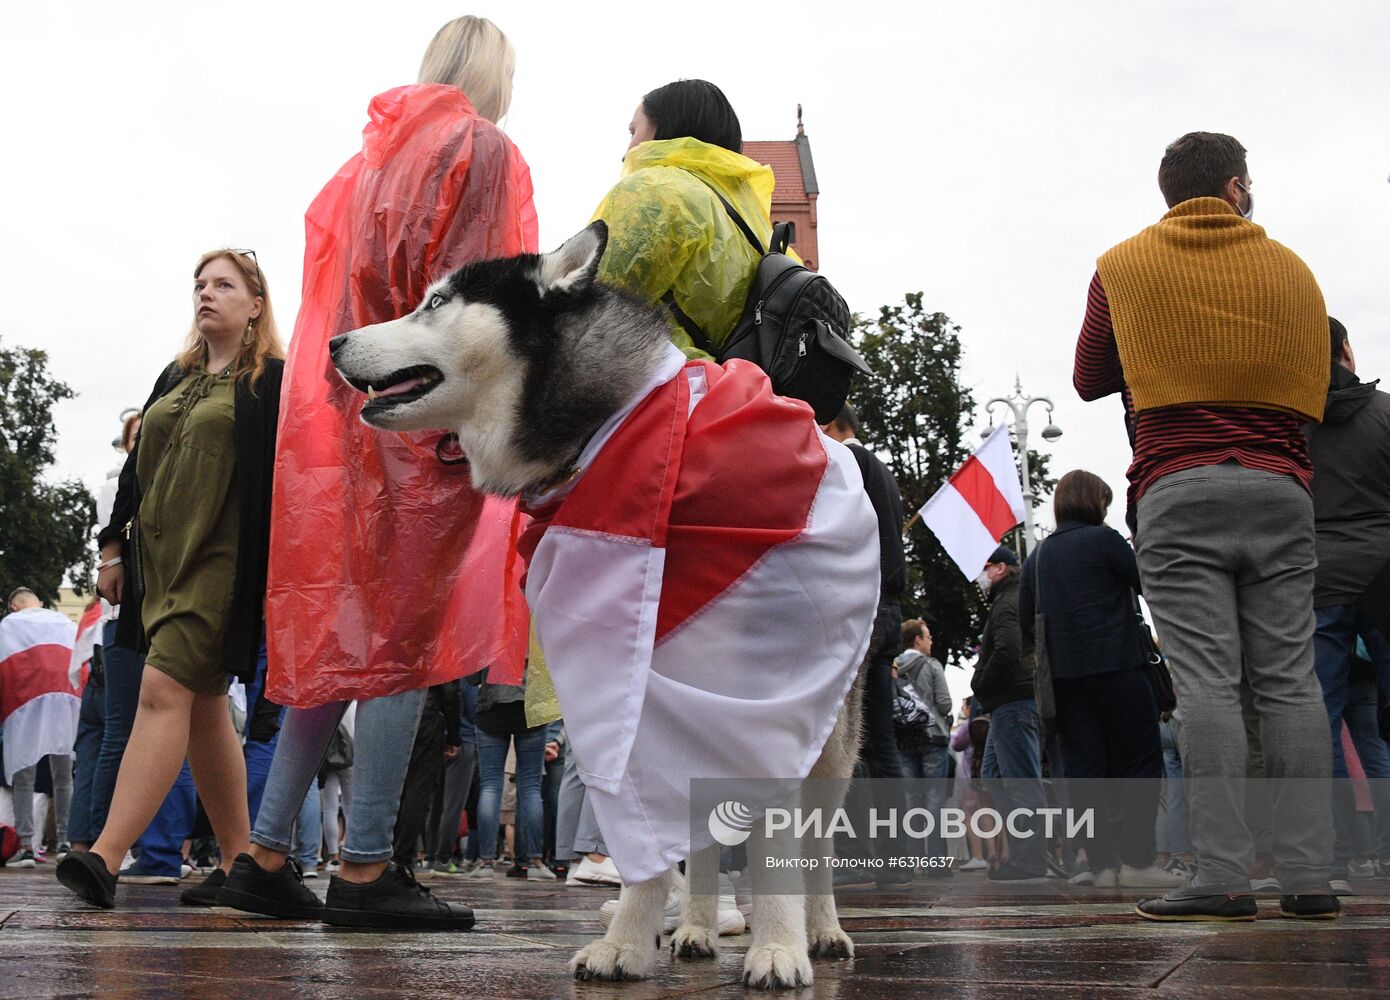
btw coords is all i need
(395, 901)
(205, 892)
(280, 893)
(85, 874)
(26, 859)
(1218, 908)
(1008, 873)
(516, 871)
(1312, 906)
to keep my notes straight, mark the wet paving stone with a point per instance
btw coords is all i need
(965, 941)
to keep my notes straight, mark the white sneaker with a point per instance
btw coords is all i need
(185, 870)
(670, 919)
(1152, 877)
(483, 873)
(974, 865)
(1106, 878)
(727, 915)
(1361, 869)
(1341, 887)
(311, 872)
(539, 872)
(333, 867)
(589, 872)
(1270, 885)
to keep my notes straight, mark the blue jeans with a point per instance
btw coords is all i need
(1171, 834)
(530, 760)
(929, 766)
(1334, 649)
(383, 738)
(1362, 718)
(1013, 753)
(161, 845)
(91, 720)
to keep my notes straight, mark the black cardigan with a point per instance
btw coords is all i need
(1089, 578)
(253, 439)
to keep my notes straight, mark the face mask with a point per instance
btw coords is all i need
(983, 581)
(1249, 212)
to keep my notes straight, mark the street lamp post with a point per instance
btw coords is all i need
(1017, 405)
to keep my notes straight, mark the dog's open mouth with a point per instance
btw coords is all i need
(404, 386)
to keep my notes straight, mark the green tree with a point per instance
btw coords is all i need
(45, 528)
(915, 413)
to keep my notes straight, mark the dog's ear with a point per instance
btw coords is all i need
(572, 267)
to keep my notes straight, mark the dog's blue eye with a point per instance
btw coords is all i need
(436, 300)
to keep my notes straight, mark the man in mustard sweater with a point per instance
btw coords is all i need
(1216, 337)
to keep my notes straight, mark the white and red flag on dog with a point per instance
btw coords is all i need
(38, 707)
(704, 591)
(979, 504)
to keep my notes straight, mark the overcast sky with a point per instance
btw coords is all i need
(982, 153)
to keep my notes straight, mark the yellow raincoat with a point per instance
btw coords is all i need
(668, 232)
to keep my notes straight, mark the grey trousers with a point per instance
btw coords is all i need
(61, 767)
(1226, 557)
(576, 830)
(442, 831)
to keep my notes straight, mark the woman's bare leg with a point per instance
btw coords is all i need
(153, 758)
(219, 772)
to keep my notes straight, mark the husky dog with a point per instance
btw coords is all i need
(525, 358)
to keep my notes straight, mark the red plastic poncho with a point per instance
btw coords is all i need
(388, 571)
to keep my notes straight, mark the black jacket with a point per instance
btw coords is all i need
(253, 444)
(1004, 672)
(1089, 577)
(887, 502)
(1350, 452)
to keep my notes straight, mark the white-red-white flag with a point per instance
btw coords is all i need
(704, 592)
(38, 707)
(88, 639)
(979, 503)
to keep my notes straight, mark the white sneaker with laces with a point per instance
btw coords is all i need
(974, 865)
(1361, 869)
(1152, 877)
(1341, 887)
(539, 872)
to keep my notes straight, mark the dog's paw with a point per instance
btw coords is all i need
(776, 967)
(610, 962)
(830, 943)
(693, 941)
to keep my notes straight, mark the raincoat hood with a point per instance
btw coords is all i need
(397, 114)
(668, 234)
(746, 183)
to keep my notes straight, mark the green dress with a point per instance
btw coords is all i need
(188, 529)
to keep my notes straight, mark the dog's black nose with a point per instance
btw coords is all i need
(336, 343)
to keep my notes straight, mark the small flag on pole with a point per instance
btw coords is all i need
(979, 503)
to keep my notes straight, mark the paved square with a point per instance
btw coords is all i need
(960, 940)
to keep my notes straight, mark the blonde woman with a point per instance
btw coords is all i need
(185, 554)
(393, 599)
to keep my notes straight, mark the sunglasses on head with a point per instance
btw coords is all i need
(260, 279)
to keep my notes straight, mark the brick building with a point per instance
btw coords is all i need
(794, 197)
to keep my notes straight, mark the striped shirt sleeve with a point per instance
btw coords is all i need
(1097, 372)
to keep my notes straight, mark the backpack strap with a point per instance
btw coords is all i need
(697, 336)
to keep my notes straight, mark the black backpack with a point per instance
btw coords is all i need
(793, 327)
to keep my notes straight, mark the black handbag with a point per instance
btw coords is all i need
(1155, 664)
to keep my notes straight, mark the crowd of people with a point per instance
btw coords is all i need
(388, 727)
